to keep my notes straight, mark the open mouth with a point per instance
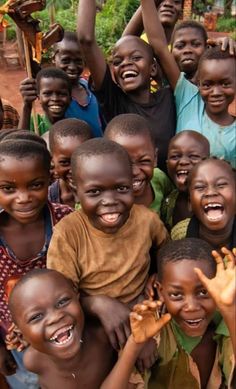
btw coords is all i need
(110, 218)
(55, 108)
(214, 211)
(193, 323)
(187, 60)
(138, 184)
(216, 103)
(62, 336)
(182, 176)
(129, 75)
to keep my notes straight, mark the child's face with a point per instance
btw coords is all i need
(69, 58)
(188, 47)
(184, 152)
(49, 316)
(104, 187)
(54, 97)
(132, 65)
(143, 156)
(213, 195)
(23, 188)
(169, 12)
(217, 84)
(185, 298)
(63, 149)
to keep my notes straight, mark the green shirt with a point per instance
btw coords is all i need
(43, 124)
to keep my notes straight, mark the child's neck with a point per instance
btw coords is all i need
(146, 198)
(223, 118)
(142, 96)
(217, 239)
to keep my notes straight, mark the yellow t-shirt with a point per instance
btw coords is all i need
(115, 265)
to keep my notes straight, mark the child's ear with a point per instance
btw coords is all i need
(159, 290)
(154, 68)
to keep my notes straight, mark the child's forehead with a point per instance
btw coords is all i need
(188, 33)
(217, 68)
(131, 43)
(182, 272)
(186, 140)
(53, 82)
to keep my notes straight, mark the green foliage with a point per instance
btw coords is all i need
(111, 21)
(200, 6)
(225, 24)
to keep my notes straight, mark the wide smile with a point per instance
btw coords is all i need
(26, 212)
(110, 218)
(216, 103)
(194, 325)
(63, 336)
(214, 211)
(129, 75)
(187, 60)
(73, 75)
(181, 176)
(56, 109)
(138, 184)
(167, 13)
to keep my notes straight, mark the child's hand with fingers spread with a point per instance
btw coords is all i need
(222, 287)
(145, 321)
(14, 340)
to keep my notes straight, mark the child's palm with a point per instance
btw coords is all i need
(145, 322)
(222, 286)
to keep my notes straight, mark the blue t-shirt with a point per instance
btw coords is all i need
(191, 115)
(89, 113)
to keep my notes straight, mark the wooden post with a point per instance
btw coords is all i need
(29, 73)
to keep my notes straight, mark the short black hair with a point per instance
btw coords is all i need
(129, 124)
(27, 135)
(215, 53)
(68, 36)
(227, 165)
(23, 149)
(53, 72)
(97, 147)
(6, 132)
(198, 136)
(190, 24)
(145, 45)
(35, 273)
(192, 249)
(69, 127)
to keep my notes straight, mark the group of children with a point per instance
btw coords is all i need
(85, 228)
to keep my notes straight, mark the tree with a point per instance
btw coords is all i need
(227, 8)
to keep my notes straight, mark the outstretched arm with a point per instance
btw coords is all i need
(94, 57)
(135, 25)
(144, 323)
(157, 40)
(222, 288)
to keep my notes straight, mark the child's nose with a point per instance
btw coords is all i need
(23, 197)
(191, 304)
(109, 199)
(216, 90)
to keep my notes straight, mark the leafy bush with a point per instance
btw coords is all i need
(225, 24)
(111, 21)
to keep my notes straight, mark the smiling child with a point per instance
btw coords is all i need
(212, 192)
(150, 184)
(64, 350)
(197, 347)
(133, 66)
(186, 149)
(203, 108)
(64, 137)
(53, 88)
(26, 221)
(104, 247)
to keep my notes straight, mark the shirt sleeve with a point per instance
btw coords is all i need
(184, 92)
(159, 233)
(63, 254)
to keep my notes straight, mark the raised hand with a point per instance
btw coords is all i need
(14, 339)
(222, 287)
(145, 321)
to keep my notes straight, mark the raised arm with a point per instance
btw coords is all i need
(135, 25)
(94, 57)
(222, 289)
(157, 40)
(145, 323)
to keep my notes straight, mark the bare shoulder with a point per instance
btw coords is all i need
(35, 361)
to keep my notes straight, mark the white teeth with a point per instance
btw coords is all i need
(182, 172)
(129, 74)
(137, 184)
(63, 330)
(193, 322)
(55, 108)
(212, 205)
(110, 217)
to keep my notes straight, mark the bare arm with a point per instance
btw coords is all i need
(29, 94)
(157, 40)
(135, 25)
(222, 289)
(94, 57)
